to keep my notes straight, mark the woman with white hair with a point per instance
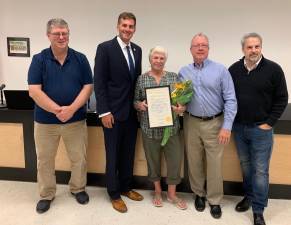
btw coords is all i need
(152, 137)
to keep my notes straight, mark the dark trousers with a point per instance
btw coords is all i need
(120, 148)
(254, 147)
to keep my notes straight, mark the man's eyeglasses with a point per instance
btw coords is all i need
(203, 46)
(59, 34)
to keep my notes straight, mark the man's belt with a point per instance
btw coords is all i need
(206, 118)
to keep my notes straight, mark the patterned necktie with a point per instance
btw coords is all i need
(130, 60)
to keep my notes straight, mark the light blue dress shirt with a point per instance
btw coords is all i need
(213, 91)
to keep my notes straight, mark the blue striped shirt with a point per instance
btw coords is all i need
(213, 91)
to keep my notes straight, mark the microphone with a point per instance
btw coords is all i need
(2, 105)
(2, 87)
(88, 104)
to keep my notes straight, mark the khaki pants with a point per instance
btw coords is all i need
(204, 155)
(47, 138)
(173, 156)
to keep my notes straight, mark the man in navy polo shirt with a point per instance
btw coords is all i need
(60, 83)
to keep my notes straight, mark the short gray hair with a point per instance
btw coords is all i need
(158, 49)
(200, 34)
(56, 22)
(250, 35)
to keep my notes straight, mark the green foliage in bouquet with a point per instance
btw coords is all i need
(182, 94)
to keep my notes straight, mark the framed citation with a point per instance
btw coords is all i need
(159, 106)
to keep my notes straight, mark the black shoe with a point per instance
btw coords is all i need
(199, 203)
(81, 197)
(215, 211)
(243, 205)
(259, 219)
(43, 205)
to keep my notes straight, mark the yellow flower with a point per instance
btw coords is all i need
(178, 85)
(173, 95)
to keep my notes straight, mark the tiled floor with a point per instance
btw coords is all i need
(18, 201)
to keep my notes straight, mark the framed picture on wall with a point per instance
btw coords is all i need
(18, 46)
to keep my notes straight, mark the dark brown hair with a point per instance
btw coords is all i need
(127, 15)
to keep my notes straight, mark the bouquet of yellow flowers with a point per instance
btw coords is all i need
(182, 94)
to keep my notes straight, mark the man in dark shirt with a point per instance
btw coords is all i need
(262, 96)
(60, 83)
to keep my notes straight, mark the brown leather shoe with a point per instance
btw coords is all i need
(119, 205)
(133, 195)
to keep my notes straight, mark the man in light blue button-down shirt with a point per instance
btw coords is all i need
(207, 124)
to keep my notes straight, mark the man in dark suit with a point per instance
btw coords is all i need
(117, 66)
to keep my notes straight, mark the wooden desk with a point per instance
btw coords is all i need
(18, 159)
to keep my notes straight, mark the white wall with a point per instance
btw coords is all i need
(159, 22)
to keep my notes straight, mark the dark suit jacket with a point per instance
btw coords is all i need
(113, 83)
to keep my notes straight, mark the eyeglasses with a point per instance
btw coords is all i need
(203, 46)
(59, 34)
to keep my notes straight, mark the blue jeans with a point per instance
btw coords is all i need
(254, 147)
